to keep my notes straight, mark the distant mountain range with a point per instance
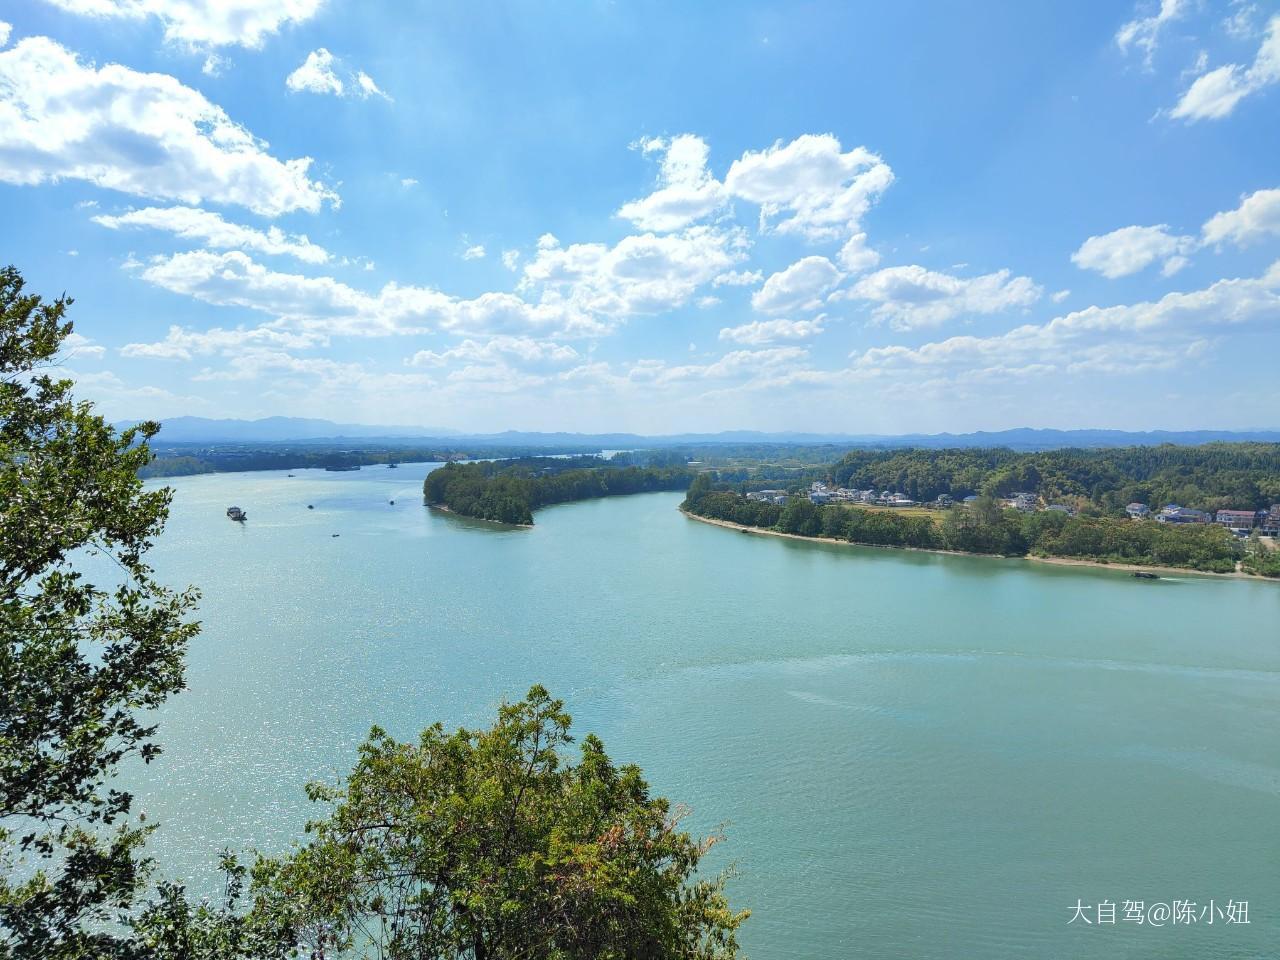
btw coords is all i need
(182, 430)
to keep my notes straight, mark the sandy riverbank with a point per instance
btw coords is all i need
(1059, 561)
(462, 516)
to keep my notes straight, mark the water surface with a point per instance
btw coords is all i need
(915, 755)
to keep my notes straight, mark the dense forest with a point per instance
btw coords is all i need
(1215, 476)
(181, 460)
(508, 491)
(986, 527)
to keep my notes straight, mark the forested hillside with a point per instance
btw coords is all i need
(1210, 477)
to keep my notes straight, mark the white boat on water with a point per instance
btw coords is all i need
(236, 514)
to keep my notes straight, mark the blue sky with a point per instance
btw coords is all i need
(654, 217)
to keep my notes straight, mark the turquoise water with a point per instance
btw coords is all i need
(915, 755)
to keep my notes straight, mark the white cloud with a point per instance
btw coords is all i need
(1125, 338)
(768, 331)
(855, 256)
(183, 344)
(204, 23)
(408, 182)
(912, 296)
(738, 278)
(762, 366)
(213, 65)
(687, 192)
(324, 73)
(474, 252)
(1240, 24)
(1257, 217)
(800, 286)
(75, 346)
(525, 350)
(325, 306)
(191, 223)
(140, 133)
(1215, 94)
(642, 274)
(5, 30)
(511, 259)
(1130, 249)
(1144, 32)
(1060, 295)
(820, 192)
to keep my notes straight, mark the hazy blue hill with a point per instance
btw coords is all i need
(283, 429)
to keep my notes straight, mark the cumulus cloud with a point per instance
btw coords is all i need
(911, 296)
(203, 23)
(140, 133)
(1123, 338)
(1144, 32)
(474, 252)
(1130, 249)
(811, 186)
(855, 256)
(1257, 217)
(1216, 94)
(643, 274)
(511, 259)
(768, 331)
(324, 73)
(75, 346)
(738, 278)
(525, 350)
(736, 365)
(5, 30)
(183, 344)
(210, 229)
(800, 286)
(325, 306)
(686, 190)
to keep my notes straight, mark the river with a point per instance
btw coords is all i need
(913, 755)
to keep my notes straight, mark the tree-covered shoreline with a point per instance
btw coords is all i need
(509, 491)
(985, 527)
(1215, 476)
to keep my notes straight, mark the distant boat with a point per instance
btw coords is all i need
(335, 534)
(343, 468)
(236, 514)
(393, 466)
(311, 506)
(1143, 575)
(291, 474)
(392, 502)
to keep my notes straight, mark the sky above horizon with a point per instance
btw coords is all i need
(654, 217)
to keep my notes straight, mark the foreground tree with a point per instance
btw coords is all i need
(79, 661)
(490, 845)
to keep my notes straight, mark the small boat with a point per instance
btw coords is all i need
(1143, 575)
(291, 475)
(393, 466)
(311, 506)
(335, 534)
(236, 514)
(392, 502)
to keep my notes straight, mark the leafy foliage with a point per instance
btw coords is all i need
(985, 527)
(1214, 476)
(79, 662)
(509, 491)
(490, 845)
